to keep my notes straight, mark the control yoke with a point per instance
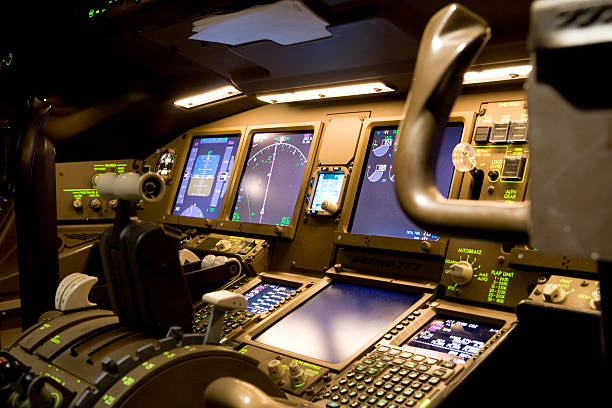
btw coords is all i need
(452, 39)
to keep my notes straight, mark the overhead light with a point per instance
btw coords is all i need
(497, 74)
(322, 93)
(208, 97)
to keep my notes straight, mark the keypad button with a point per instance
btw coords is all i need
(332, 404)
(394, 352)
(399, 327)
(398, 389)
(431, 361)
(403, 372)
(361, 368)
(411, 403)
(335, 397)
(379, 383)
(351, 384)
(343, 390)
(335, 388)
(424, 378)
(410, 364)
(358, 377)
(368, 361)
(413, 375)
(380, 365)
(382, 403)
(380, 393)
(368, 380)
(326, 395)
(394, 370)
(434, 380)
(408, 392)
(418, 358)
(372, 371)
(416, 385)
(371, 390)
(387, 358)
(352, 394)
(394, 332)
(360, 387)
(344, 401)
(343, 381)
(416, 313)
(354, 404)
(372, 400)
(448, 364)
(390, 396)
(400, 399)
(396, 379)
(350, 374)
(363, 397)
(387, 377)
(418, 395)
(399, 361)
(426, 388)
(423, 368)
(388, 386)
(383, 349)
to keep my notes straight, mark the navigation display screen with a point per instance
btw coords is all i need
(206, 176)
(458, 337)
(272, 177)
(338, 321)
(264, 296)
(378, 211)
(329, 187)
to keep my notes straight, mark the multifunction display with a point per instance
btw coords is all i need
(206, 176)
(264, 296)
(328, 188)
(272, 177)
(378, 211)
(338, 321)
(457, 337)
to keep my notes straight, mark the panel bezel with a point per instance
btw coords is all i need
(288, 231)
(343, 237)
(180, 164)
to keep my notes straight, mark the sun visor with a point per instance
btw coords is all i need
(285, 22)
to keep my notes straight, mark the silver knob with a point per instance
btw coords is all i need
(461, 272)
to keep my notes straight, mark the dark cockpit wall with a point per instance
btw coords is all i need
(112, 70)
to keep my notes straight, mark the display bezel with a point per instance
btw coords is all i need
(181, 163)
(342, 235)
(312, 292)
(313, 190)
(288, 231)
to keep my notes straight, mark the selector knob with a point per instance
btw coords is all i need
(553, 293)
(461, 272)
(77, 204)
(95, 204)
(296, 374)
(223, 245)
(493, 175)
(113, 203)
(275, 369)
(329, 206)
(595, 302)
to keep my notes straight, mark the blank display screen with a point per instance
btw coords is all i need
(338, 321)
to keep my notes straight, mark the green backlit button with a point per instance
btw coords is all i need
(399, 361)
(408, 392)
(360, 387)
(410, 364)
(351, 384)
(360, 367)
(423, 367)
(379, 383)
(372, 400)
(363, 397)
(380, 365)
(371, 390)
(380, 393)
(354, 404)
(382, 403)
(343, 381)
(394, 352)
(196, 321)
(358, 377)
(332, 404)
(411, 403)
(383, 349)
(344, 401)
(434, 380)
(235, 325)
(418, 357)
(448, 364)
(343, 390)
(388, 386)
(367, 361)
(249, 314)
(400, 399)
(352, 394)
(418, 395)
(439, 373)
(375, 355)
(204, 316)
(431, 361)
(390, 396)
(335, 397)
(387, 358)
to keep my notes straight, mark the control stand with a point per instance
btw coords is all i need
(221, 301)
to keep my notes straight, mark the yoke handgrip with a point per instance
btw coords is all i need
(452, 39)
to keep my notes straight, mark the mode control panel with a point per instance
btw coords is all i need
(572, 292)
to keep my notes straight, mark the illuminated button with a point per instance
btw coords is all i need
(500, 133)
(335, 397)
(406, 382)
(403, 373)
(418, 395)
(424, 378)
(423, 367)
(518, 132)
(426, 388)
(406, 322)
(359, 377)
(406, 354)
(380, 365)
(390, 396)
(413, 375)
(335, 388)
(396, 379)
(363, 397)
(388, 386)
(387, 358)
(410, 364)
(448, 364)
(434, 380)
(350, 374)
(398, 389)
(371, 390)
(411, 318)
(360, 368)
(360, 387)
(394, 352)
(411, 403)
(351, 384)
(332, 404)
(344, 401)
(388, 337)
(408, 392)
(379, 383)
(439, 373)
(400, 399)
(372, 400)
(375, 355)
(394, 370)
(343, 391)
(514, 167)
(416, 385)
(367, 361)
(372, 371)
(399, 361)
(431, 361)
(343, 381)
(399, 327)
(354, 404)
(387, 377)
(416, 313)
(380, 393)
(418, 357)
(383, 349)
(352, 394)
(394, 332)
(382, 403)
(326, 395)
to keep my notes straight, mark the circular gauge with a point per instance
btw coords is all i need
(165, 163)
(192, 211)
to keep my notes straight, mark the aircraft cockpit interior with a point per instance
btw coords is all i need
(305, 203)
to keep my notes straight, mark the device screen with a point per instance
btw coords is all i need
(329, 187)
(206, 176)
(457, 337)
(378, 211)
(272, 177)
(359, 313)
(264, 296)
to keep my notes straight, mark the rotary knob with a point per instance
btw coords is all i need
(223, 245)
(461, 272)
(77, 204)
(275, 369)
(595, 302)
(329, 206)
(95, 204)
(554, 293)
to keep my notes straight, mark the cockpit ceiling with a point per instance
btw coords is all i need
(144, 59)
